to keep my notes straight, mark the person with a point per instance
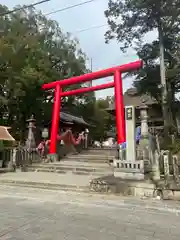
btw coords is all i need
(41, 148)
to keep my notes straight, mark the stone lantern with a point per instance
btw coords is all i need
(144, 121)
(30, 142)
(144, 140)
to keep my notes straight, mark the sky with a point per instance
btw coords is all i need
(92, 42)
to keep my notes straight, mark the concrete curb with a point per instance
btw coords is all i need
(52, 186)
(137, 191)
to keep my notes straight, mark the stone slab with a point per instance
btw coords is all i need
(129, 175)
(117, 185)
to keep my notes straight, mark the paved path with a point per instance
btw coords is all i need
(27, 214)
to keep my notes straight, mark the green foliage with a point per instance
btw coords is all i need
(175, 148)
(101, 119)
(129, 21)
(33, 51)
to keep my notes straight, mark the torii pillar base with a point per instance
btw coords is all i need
(52, 157)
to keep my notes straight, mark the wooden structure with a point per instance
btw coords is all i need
(76, 123)
(5, 135)
(132, 98)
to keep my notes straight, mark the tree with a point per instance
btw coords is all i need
(148, 79)
(130, 20)
(33, 51)
(101, 119)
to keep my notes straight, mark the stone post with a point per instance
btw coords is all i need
(144, 140)
(86, 138)
(12, 162)
(130, 134)
(30, 142)
(155, 167)
(165, 155)
(175, 169)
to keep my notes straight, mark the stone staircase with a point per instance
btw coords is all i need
(94, 162)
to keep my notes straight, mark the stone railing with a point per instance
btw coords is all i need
(17, 157)
(169, 166)
(137, 166)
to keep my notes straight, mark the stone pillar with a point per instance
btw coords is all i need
(86, 138)
(175, 169)
(155, 167)
(130, 134)
(165, 155)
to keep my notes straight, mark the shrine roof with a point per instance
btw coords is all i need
(5, 135)
(132, 98)
(71, 119)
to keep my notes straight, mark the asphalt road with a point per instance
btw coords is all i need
(30, 214)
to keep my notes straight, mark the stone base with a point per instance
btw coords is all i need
(52, 157)
(129, 175)
(139, 188)
(115, 185)
(11, 166)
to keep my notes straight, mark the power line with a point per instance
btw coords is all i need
(24, 7)
(69, 7)
(90, 28)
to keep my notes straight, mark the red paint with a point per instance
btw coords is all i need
(87, 89)
(95, 75)
(117, 84)
(55, 119)
(120, 121)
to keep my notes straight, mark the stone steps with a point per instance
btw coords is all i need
(92, 161)
(91, 158)
(69, 168)
(89, 162)
(75, 172)
(79, 168)
(72, 163)
(101, 152)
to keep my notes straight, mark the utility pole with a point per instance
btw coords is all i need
(163, 80)
(91, 64)
(91, 68)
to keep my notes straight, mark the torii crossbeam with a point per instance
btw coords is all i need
(118, 90)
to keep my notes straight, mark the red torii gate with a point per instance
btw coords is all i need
(117, 84)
